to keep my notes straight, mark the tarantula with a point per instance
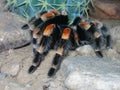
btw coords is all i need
(50, 30)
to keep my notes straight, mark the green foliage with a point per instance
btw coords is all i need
(28, 8)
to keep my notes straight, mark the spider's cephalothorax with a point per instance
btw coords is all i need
(50, 30)
(41, 20)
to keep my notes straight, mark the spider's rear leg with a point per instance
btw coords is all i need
(43, 47)
(62, 50)
(37, 61)
(93, 35)
(108, 42)
(98, 41)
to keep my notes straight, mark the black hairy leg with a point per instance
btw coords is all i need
(108, 42)
(92, 35)
(38, 58)
(62, 50)
(97, 48)
(105, 33)
(43, 47)
(79, 34)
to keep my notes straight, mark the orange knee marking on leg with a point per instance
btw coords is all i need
(32, 27)
(48, 30)
(96, 22)
(60, 51)
(85, 25)
(47, 16)
(66, 33)
(56, 12)
(40, 49)
(76, 38)
(97, 34)
(36, 31)
(39, 39)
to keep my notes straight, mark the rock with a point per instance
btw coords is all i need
(24, 77)
(2, 5)
(111, 53)
(91, 73)
(10, 84)
(3, 75)
(15, 69)
(115, 33)
(105, 9)
(11, 69)
(11, 34)
(86, 50)
(117, 45)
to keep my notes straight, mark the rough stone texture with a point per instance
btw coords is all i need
(86, 50)
(105, 9)
(8, 84)
(91, 73)
(11, 34)
(2, 5)
(11, 69)
(115, 33)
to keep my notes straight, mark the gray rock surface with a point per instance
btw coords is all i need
(115, 32)
(2, 5)
(91, 73)
(11, 34)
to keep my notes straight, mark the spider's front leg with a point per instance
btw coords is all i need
(107, 36)
(44, 44)
(62, 50)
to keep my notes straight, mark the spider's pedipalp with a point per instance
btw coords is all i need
(25, 26)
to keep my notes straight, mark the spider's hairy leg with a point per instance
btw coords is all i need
(98, 40)
(25, 26)
(77, 20)
(62, 50)
(108, 42)
(56, 37)
(43, 47)
(38, 58)
(104, 31)
(106, 35)
(97, 49)
(36, 37)
(75, 39)
(56, 12)
(92, 35)
(38, 19)
(64, 18)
